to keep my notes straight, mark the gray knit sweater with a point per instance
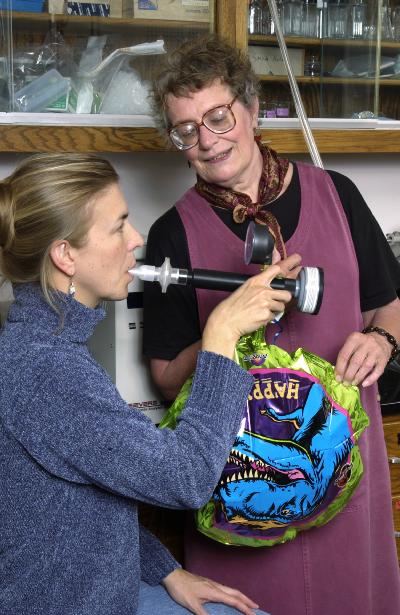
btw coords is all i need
(75, 459)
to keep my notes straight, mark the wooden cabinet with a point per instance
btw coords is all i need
(228, 18)
(334, 93)
(330, 96)
(32, 40)
(391, 428)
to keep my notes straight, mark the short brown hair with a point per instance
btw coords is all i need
(196, 64)
(47, 198)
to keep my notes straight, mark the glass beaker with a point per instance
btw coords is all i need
(386, 22)
(255, 17)
(266, 19)
(357, 22)
(396, 23)
(310, 19)
(338, 19)
(292, 15)
(279, 10)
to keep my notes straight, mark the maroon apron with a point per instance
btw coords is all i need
(349, 566)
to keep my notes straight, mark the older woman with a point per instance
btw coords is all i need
(75, 458)
(206, 100)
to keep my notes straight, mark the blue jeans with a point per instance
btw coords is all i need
(157, 600)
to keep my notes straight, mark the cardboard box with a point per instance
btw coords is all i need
(118, 8)
(121, 8)
(88, 9)
(268, 60)
(178, 10)
(57, 7)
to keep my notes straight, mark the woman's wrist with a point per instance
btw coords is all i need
(218, 335)
(218, 343)
(395, 349)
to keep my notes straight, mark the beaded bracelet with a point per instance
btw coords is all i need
(392, 340)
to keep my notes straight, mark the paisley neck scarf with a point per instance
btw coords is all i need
(271, 183)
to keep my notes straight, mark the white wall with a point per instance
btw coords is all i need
(153, 181)
(377, 177)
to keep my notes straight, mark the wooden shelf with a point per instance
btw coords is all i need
(370, 81)
(375, 141)
(230, 22)
(299, 41)
(69, 138)
(81, 22)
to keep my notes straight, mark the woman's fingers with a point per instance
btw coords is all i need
(192, 591)
(254, 303)
(290, 266)
(361, 360)
(249, 307)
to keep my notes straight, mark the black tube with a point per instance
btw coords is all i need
(221, 280)
(285, 284)
(216, 280)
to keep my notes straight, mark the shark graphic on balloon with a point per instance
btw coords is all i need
(294, 472)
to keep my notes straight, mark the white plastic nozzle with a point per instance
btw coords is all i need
(164, 275)
(147, 273)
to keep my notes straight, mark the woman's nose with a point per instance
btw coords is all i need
(135, 239)
(207, 138)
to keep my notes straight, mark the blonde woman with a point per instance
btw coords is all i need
(74, 458)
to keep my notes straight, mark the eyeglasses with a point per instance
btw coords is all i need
(218, 119)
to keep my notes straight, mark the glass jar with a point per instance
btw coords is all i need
(357, 21)
(312, 68)
(310, 19)
(292, 16)
(386, 22)
(255, 17)
(396, 23)
(338, 19)
(266, 19)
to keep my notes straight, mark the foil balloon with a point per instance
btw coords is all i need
(295, 461)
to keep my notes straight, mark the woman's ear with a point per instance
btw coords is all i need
(61, 255)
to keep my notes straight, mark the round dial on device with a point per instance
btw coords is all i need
(258, 245)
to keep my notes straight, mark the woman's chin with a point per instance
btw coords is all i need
(225, 179)
(117, 295)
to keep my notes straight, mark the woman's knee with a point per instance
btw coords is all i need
(156, 599)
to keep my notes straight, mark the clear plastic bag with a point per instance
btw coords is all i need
(113, 85)
(127, 93)
(42, 75)
(41, 92)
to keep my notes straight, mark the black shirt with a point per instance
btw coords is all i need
(171, 320)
